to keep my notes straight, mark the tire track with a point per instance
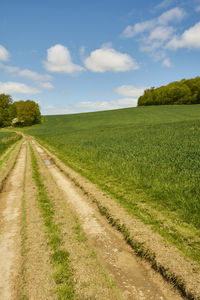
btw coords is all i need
(10, 239)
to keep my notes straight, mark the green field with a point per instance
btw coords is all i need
(6, 140)
(147, 158)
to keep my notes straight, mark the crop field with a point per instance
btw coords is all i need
(147, 158)
(7, 139)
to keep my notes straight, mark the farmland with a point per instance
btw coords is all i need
(146, 158)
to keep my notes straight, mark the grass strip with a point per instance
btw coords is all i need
(63, 275)
(23, 233)
(9, 168)
(7, 139)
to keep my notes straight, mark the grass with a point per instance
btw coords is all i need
(7, 139)
(23, 233)
(63, 275)
(148, 158)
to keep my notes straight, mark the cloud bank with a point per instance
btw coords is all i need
(17, 88)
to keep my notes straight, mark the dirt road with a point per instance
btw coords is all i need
(100, 263)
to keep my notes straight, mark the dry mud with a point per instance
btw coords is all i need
(135, 279)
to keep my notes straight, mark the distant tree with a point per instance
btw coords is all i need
(20, 113)
(186, 91)
(27, 112)
(5, 108)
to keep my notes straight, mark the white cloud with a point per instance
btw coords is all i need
(82, 51)
(88, 106)
(197, 9)
(189, 39)
(108, 59)
(54, 110)
(129, 90)
(151, 46)
(17, 88)
(172, 15)
(154, 43)
(9, 69)
(34, 75)
(167, 63)
(155, 34)
(106, 105)
(164, 4)
(161, 33)
(126, 102)
(59, 61)
(41, 79)
(46, 85)
(131, 31)
(4, 54)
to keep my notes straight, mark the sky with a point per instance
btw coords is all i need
(78, 56)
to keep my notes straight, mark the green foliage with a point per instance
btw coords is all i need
(178, 92)
(21, 113)
(5, 110)
(27, 112)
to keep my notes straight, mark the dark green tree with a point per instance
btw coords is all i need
(186, 91)
(28, 112)
(5, 107)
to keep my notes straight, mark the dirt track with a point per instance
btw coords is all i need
(10, 203)
(105, 267)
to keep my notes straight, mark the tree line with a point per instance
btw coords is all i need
(19, 113)
(186, 91)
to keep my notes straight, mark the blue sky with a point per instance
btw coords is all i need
(77, 56)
